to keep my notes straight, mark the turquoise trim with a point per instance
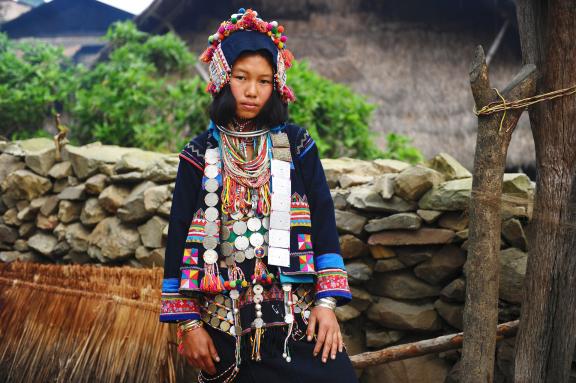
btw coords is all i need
(305, 278)
(330, 261)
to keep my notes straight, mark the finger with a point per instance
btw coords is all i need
(320, 340)
(327, 345)
(311, 326)
(335, 343)
(340, 342)
(209, 364)
(213, 351)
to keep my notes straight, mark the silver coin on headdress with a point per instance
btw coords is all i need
(237, 215)
(249, 253)
(239, 227)
(241, 242)
(211, 214)
(211, 228)
(222, 312)
(215, 322)
(239, 256)
(254, 224)
(210, 257)
(256, 239)
(211, 199)
(211, 185)
(266, 237)
(211, 171)
(226, 249)
(219, 299)
(266, 222)
(209, 243)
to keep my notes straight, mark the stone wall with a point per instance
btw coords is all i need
(403, 235)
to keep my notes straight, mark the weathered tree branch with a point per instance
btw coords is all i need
(423, 347)
(482, 267)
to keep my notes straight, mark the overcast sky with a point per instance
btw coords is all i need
(132, 6)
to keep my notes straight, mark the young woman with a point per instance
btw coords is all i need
(253, 270)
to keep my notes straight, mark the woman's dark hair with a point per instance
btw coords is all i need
(223, 107)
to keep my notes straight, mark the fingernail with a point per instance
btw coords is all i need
(309, 338)
(323, 360)
(333, 356)
(217, 359)
(315, 354)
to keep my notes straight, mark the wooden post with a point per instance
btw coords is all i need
(547, 335)
(482, 267)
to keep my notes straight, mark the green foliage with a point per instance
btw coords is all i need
(142, 96)
(398, 148)
(336, 117)
(145, 95)
(33, 78)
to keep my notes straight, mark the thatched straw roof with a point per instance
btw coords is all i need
(83, 324)
(410, 58)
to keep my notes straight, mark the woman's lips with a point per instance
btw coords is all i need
(249, 106)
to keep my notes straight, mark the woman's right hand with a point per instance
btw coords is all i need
(199, 350)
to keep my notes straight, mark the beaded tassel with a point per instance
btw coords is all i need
(256, 342)
(212, 281)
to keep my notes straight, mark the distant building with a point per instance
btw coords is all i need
(10, 9)
(76, 25)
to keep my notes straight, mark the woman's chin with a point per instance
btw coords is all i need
(246, 114)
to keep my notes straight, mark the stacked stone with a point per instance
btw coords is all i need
(404, 233)
(99, 203)
(404, 236)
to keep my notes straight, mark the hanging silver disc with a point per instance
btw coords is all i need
(239, 227)
(211, 185)
(234, 294)
(289, 318)
(212, 156)
(287, 287)
(211, 214)
(211, 228)
(225, 326)
(210, 257)
(249, 253)
(258, 289)
(237, 215)
(211, 171)
(266, 237)
(254, 224)
(226, 249)
(209, 243)
(211, 199)
(258, 298)
(239, 256)
(225, 233)
(266, 222)
(258, 322)
(241, 242)
(256, 239)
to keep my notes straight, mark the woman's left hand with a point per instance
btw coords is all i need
(329, 336)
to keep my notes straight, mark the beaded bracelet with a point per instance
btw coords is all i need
(327, 302)
(190, 325)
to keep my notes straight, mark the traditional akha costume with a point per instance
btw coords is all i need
(252, 244)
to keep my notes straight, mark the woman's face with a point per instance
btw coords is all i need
(251, 84)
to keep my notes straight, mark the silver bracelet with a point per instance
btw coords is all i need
(327, 302)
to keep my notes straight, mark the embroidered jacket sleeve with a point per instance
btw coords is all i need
(176, 307)
(332, 280)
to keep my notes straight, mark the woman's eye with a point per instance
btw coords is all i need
(240, 77)
(265, 81)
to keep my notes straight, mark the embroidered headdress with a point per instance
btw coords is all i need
(245, 31)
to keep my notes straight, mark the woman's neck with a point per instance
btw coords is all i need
(243, 124)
